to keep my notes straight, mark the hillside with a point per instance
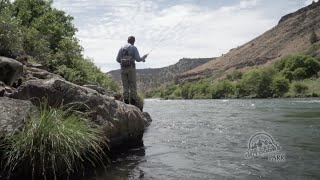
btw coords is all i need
(155, 77)
(290, 36)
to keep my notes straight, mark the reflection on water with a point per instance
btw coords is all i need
(123, 166)
(207, 139)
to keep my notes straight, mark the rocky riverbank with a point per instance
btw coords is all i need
(22, 87)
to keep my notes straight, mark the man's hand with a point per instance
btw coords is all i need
(144, 57)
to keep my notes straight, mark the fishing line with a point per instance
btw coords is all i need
(170, 30)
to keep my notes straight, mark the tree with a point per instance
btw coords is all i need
(185, 91)
(47, 36)
(279, 86)
(11, 42)
(298, 67)
(299, 74)
(224, 89)
(29, 10)
(256, 83)
(313, 37)
(299, 87)
(4, 4)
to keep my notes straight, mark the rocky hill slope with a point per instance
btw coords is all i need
(150, 78)
(290, 36)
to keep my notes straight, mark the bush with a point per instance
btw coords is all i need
(256, 83)
(235, 75)
(299, 74)
(279, 86)
(185, 91)
(47, 36)
(224, 89)
(177, 93)
(313, 37)
(54, 142)
(11, 42)
(312, 51)
(299, 88)
(140, 101)
(298, 67)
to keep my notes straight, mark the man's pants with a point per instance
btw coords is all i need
(128, 75)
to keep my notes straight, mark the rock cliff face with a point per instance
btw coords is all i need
(121, 123)
(290, 36)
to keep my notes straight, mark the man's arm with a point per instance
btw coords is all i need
(137, 55)
(119, 56)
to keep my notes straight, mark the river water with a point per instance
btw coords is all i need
(208, 139)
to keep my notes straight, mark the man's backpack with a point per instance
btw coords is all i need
(126, 60)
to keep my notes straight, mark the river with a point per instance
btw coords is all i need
(208, 139)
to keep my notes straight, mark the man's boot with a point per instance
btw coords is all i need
(133, 102)
(126, 101)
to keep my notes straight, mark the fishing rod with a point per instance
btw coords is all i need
(169, 31)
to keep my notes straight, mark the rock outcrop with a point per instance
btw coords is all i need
(120, 121)
(10, 70)
(122, 124)
(13, 114)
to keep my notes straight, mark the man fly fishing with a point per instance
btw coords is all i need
(127, 56)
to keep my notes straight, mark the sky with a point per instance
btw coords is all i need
(184, 28)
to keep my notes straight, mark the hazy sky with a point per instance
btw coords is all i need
(207, 28)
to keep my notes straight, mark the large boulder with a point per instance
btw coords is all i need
(100, 90)
(36, 73)
(10, 70)
(5, 91)
(13, 113)
(121, 123)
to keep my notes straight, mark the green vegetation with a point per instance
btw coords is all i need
(35, 29)
(293, 76)
(299, 88)
(313, 37)
(298, 67)
(53, 142)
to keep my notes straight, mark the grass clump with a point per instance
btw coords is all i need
(54, 142)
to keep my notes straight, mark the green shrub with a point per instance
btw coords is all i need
(298, 67)
(11, 42)
(47, 36)
(299, 74)
(235, 75)
(54, 142)
(313, 37)
(313, 85)
(256, 83)
(279, 86)
(140, 101)
(177, 92)
(312, 51)
(299, 88)
(185, 91)
(224, 89)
